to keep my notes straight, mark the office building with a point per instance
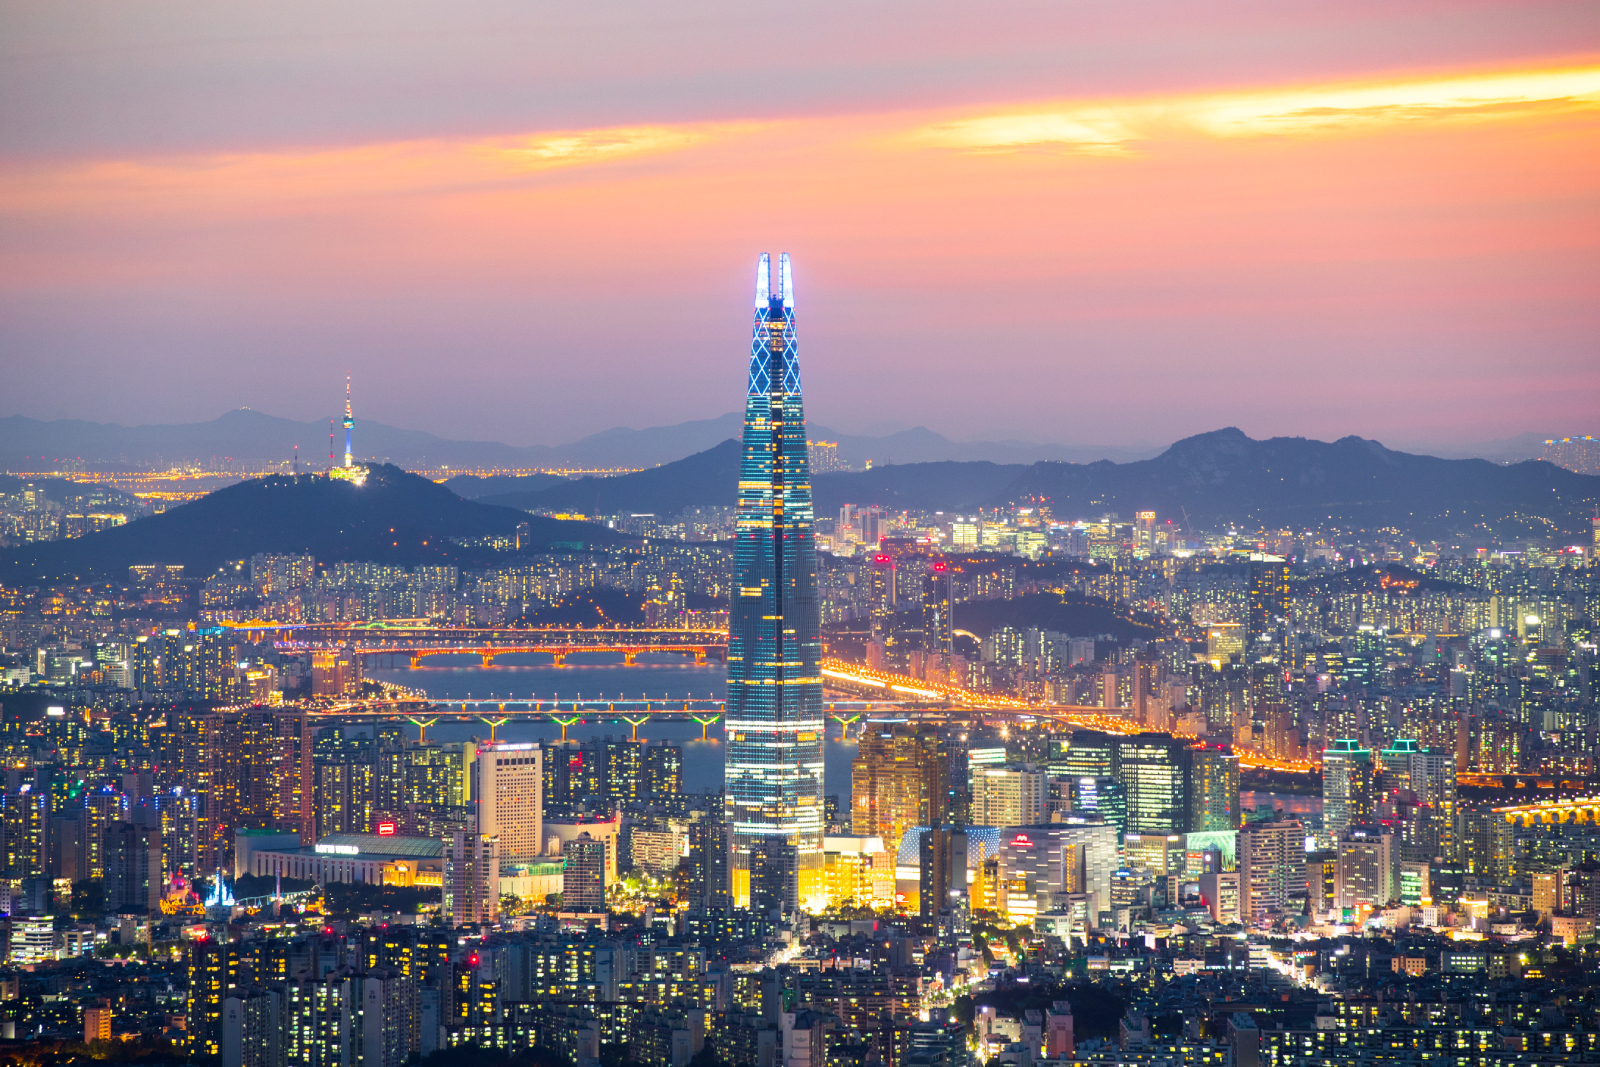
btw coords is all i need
(1103, 797)
(1220, 892)
(1347, 786)
(1012, 795)
(774, 723)
(1083, 754)
(1153, 770)
(1272, 867)
(1039, 863)
(508, 793)
(900, 777)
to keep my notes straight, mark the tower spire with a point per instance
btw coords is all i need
(349, 424)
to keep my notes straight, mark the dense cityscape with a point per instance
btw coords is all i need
(1120, 789)
(1116, 585)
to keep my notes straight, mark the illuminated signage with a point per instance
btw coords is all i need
(1021, 839)
(386, 829)
(339, 850)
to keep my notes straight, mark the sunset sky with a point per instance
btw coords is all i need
(1095, 223)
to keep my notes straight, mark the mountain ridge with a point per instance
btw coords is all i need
(1212, 479)
(395, 517)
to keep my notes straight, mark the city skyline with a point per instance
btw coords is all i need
(1342, 221)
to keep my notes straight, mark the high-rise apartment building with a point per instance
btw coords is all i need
(900, 777)
(471, 878)
(1369, 869)
(133, 878)
(938, 626)
(1213, 790)
(1347, 786)
(1267, 619)
(1272, 866)
(774, 718)
(941, 869)
(706, 884)
(583, 886)
(508, 793)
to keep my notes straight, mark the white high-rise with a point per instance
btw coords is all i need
(508, 795)
(1015, 795)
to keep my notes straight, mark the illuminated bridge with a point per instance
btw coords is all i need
(419, 641)
(1573, 809)
(496, 712)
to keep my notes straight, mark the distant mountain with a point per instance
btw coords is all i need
(471, 487)
(396, 518)
(1225, 477)
(921, 445)
(705, 478)
(916, 486)
(251, 438)
(1209, 480)
(1501, 450)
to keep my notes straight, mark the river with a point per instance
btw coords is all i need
(601, 676)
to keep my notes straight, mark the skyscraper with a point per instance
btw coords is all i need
(899, 778)
(774, 722)
(1346, 785)
(1213, 790)
(1268, 610)
(1153, 772)
(509, 797)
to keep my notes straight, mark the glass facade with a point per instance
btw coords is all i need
(774, 721)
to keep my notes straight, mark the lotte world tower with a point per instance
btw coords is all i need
(774, 715)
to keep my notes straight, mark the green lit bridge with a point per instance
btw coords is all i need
(496, 712)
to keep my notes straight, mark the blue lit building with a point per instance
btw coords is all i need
(774, 721)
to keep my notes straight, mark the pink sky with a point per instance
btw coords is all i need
(1082, 223)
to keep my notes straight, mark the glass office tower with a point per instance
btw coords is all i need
(774, 722)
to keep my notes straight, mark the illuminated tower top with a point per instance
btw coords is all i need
(349, 424)
(349, 472)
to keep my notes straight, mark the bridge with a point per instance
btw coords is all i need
(487, 653)
(417, 640)
(496, 712)
(1554, 810)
